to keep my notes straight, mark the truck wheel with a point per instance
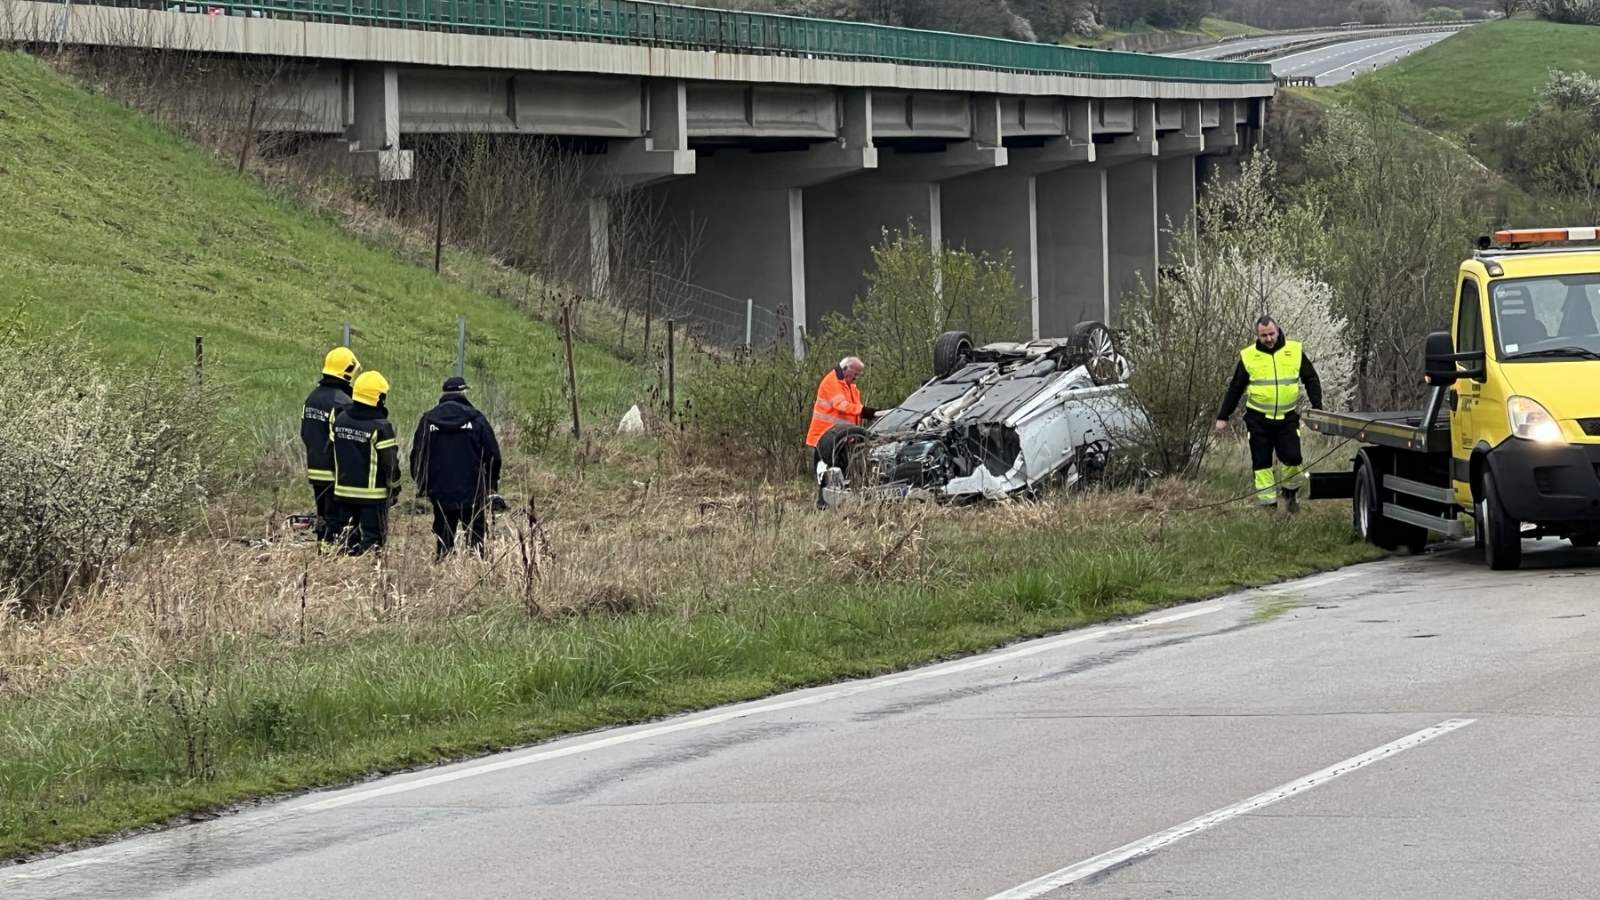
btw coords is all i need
(1585, 540)
(1502, 535)
(951, 351)
(1366, 517)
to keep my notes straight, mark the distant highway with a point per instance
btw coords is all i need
(1264, 42)
(1342, 62)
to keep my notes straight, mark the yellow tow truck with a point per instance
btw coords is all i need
(1510, 431)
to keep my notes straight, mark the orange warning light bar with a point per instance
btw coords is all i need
(1545, 235)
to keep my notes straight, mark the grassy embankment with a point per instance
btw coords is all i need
(1487, 73)
(210, 670)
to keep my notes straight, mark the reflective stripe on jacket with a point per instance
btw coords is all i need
(1274, 379)
(331, 396)
(366, 458)
(837, 404)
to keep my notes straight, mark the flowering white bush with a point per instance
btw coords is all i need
(94, 461)
(1245, 259)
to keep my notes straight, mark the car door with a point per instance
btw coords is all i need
(1466, 396)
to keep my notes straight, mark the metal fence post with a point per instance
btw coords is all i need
(461, 346)
(749, 319)
(199, 359)
(344, 337)
(672, 375)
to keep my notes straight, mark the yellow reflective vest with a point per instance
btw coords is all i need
(1274, 379)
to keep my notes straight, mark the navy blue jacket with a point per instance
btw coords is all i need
(455, 458)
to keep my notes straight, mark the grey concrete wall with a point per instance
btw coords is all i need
(1073, 266)
(996, 213)
(1175, 199)
(1131, 228)
(746, 243)
(844, 220)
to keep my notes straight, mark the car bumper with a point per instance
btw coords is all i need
(1547, 483)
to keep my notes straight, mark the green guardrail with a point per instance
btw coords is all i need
(729, 31)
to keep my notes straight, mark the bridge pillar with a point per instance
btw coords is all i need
(1175, 199)
(845, 220)
(1133, 229)
(742, 243)
(375, 122)
(998, 213)
(1073, 263)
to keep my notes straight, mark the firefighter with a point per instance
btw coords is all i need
(1268, 378)
(838, 403)
(366, 464)
(331, 395)
(455, 462)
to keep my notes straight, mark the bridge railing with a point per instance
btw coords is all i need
(732, 31)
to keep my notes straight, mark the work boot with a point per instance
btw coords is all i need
(1291, 500)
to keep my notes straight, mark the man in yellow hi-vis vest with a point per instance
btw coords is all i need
(1268, 379)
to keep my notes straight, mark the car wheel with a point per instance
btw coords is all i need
(1502, 535)
(951, 351)
(1099, 353)
(1585, 540)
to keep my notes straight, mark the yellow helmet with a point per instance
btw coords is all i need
(371, 389)
(341, 363)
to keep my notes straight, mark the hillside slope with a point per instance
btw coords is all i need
(121, 227)
(1486, 74)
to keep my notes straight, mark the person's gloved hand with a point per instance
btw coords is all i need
(498, 503)
(869, 412)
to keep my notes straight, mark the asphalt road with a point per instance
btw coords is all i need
(1264, 42)
(1412, 728)
(1341, 62)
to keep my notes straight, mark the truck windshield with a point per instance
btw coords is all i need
(1545, 319)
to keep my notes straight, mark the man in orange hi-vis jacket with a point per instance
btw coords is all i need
(838, 403)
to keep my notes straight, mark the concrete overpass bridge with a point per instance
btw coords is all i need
(790, 144)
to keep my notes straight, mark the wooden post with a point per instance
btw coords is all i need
(461, 346)
(672, 375)
(249, 135)
(199, 359)
(572, 372)
(649, 308)
(438, 231)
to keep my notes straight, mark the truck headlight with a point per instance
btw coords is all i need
(1532, 422)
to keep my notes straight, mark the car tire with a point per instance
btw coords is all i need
(1584, 541)
(835, 443)
(1097, 347)
(951, 351)
(1502, 535)
(1368, 522)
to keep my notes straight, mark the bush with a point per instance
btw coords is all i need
(1444, 14)
(95, 461)
(1239, 263)
(1571, 12)
(751, 413)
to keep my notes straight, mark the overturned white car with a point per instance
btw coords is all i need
(996, 420)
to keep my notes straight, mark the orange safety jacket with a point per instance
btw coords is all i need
(837, 404)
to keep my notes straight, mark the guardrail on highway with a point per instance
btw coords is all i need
(731, 31)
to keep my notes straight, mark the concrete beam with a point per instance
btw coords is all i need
(662, 154)
(1074, 266)
(1141, 143)
(1133, 229)
(374, 131)
(845, 220)
(984, 151)
(1191, 139)
(998, 213)
(1225, 135)
(850, 154)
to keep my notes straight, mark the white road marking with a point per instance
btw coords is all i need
(1374, 56)
(1095, 865)
(503, 762)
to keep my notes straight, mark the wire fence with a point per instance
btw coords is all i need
(717, 319)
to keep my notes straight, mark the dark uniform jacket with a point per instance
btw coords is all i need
(366, 455)
(455, 459)
(332, 394)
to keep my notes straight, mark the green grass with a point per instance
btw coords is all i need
(1488, 73)
(108, 750)
(1212, 29)
(122, 228)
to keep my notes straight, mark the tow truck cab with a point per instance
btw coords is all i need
(1511, 430)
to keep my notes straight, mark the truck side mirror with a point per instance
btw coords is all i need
(1439, 358)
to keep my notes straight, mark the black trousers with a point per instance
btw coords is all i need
(446, 519)
(1273, 436)
(328, 524)
(365, 526)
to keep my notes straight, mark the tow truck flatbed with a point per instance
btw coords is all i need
(1402, 430)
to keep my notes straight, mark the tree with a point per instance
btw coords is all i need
(1509, 8)
(1443, 14)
